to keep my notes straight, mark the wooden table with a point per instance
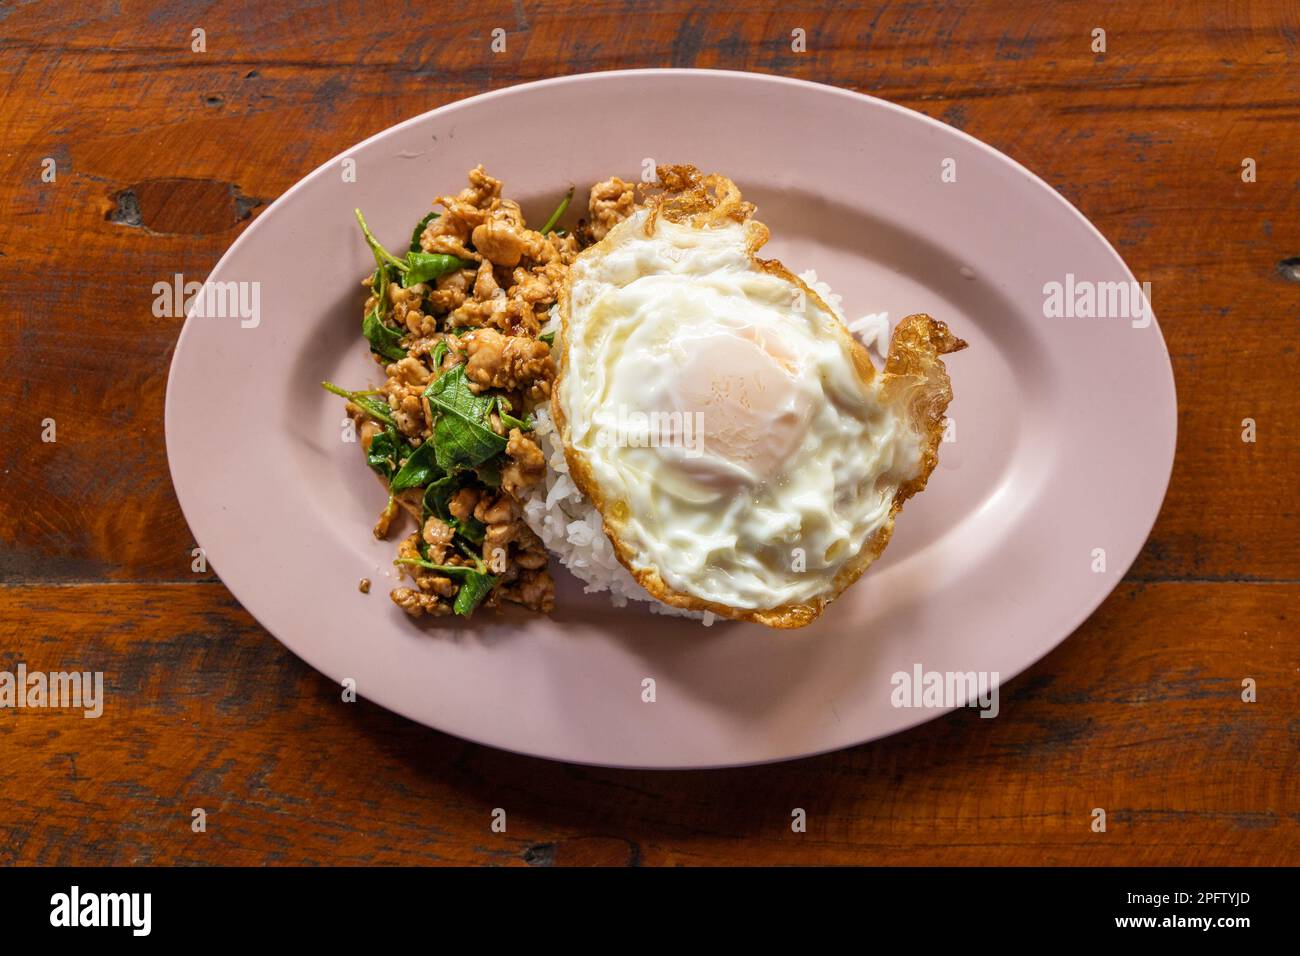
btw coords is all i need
(162, 155)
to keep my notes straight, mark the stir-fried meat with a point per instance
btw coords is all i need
(485, 314)
(463, 503)
(437, 535)
(527, 464)
(611, 202)
(451, 291)
(503, 238)
(415, 602)
(507, 362)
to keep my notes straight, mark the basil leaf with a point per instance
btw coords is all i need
(503, 412)
(461, 436)
(437, 498)
(471, 529)
(489, 473)
(416, 267)
(548, 338)
(438, 494)
(384, 452)
(419, 230)
(475, 584)
(457, 571)
(427, 266)
(376, 409)
(472, 592)
(439, 353)
(383, 340)
(418, 470)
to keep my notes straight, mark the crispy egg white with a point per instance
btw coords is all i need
(744, 455)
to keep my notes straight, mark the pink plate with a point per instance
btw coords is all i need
(1063, 440)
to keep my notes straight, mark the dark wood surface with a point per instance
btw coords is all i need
(163, 155)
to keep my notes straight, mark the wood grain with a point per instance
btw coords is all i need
(162, 155)
(202, 709)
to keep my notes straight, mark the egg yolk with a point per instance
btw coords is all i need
(745, 388)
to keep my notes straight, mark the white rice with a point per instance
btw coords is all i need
(872, 330)
(572, 529)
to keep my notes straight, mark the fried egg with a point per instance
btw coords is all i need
(744, 454)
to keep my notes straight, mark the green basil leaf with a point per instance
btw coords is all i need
(471, 529)
(373, 407)
(427, 266)
(472, 592)
(475, 584)
(458, 571)
(383, 340)
(437, 499)
(461, 436)
(438, 494)
(418, 470)
(419, 230)
(490, 473)
(439, 353)
(384, 453)
(503, 412)
(548, 338)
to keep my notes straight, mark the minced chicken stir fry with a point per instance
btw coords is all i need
(456, 323)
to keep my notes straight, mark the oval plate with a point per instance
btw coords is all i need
(1063, 439)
